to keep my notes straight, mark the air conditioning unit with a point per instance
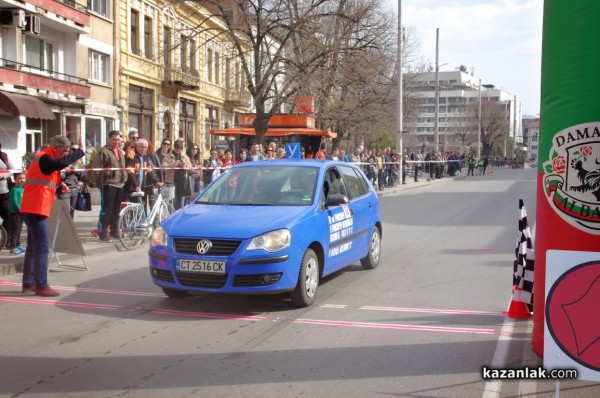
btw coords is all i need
(12, 18)
(33, 24)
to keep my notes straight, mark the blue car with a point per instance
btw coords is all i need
(269, 227)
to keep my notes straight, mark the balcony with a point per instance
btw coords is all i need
(65, 13)
(179, 79)
(27, 76)
(235, 98)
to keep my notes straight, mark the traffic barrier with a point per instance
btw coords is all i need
(517, 309)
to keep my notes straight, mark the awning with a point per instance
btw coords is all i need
(274, 132)
(24, 105)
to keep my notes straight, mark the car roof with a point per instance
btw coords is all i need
(292, 162)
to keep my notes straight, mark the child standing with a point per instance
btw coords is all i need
(16, 224)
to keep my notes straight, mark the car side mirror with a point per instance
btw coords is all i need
(336, 199)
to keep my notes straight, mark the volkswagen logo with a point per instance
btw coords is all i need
(203, 246)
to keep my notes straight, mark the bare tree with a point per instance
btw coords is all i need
(493, 124)
(340, 51)
(271, 37)
(463, 127)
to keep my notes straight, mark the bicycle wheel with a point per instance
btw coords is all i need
(164, 211)
(131, 226)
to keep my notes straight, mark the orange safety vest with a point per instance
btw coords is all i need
(40, 189)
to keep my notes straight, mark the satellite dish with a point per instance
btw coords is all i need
(463, 68)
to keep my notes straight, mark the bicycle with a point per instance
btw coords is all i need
(135, 226)
(410, 172)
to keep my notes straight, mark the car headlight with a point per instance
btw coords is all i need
(271, 241)
(159, 237)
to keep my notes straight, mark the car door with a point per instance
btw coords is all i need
(347, 223)
(361, 206)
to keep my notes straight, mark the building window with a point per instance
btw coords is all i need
(167, 48)
(141, 111)
(33, 134)
(39, 54)
(101, 7)
(99, 67)
(133, 34)
(193, 65)
(183, 53)
(209, 65)
(187, 120)
(217, 68)
(238, 77)
(211, 121)
(147, 37)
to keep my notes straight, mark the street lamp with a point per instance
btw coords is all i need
(436, 132)
(399, 90)
(479, 126)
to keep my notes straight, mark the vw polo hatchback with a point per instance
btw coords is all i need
(269, 227)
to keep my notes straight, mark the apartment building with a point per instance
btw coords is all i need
(84, 67)
(457, 91)
(178, 75)
(532, 138)
(43, 86)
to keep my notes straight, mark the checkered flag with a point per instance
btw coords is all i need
(524, 263)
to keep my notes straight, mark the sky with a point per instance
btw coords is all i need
(501, 40)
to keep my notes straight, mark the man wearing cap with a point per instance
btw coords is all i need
(43, 179)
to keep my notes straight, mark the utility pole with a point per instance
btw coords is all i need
(479, 126)
(399, 91)
(436, 132)
(515, 130)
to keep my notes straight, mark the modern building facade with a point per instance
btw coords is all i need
(458, 92)
(531, 135)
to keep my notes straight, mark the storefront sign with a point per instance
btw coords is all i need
(97, 109)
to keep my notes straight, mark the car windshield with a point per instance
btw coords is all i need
(263, 186)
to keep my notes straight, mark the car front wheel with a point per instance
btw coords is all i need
(308, 280)
(372, 259)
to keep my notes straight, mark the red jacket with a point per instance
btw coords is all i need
(40, 189)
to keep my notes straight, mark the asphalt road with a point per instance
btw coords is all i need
(421, 325)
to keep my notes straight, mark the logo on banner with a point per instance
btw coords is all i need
(572, 313)
(572, 176)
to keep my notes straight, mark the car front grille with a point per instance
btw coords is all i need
(163, 275)
(256, 280)
(220, 247)
(209, 281)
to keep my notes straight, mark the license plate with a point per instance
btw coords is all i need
(205, 266)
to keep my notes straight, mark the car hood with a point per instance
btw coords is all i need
(237, 222)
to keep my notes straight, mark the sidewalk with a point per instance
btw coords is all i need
(85, 222)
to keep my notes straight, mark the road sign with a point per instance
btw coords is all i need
(292, 150)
